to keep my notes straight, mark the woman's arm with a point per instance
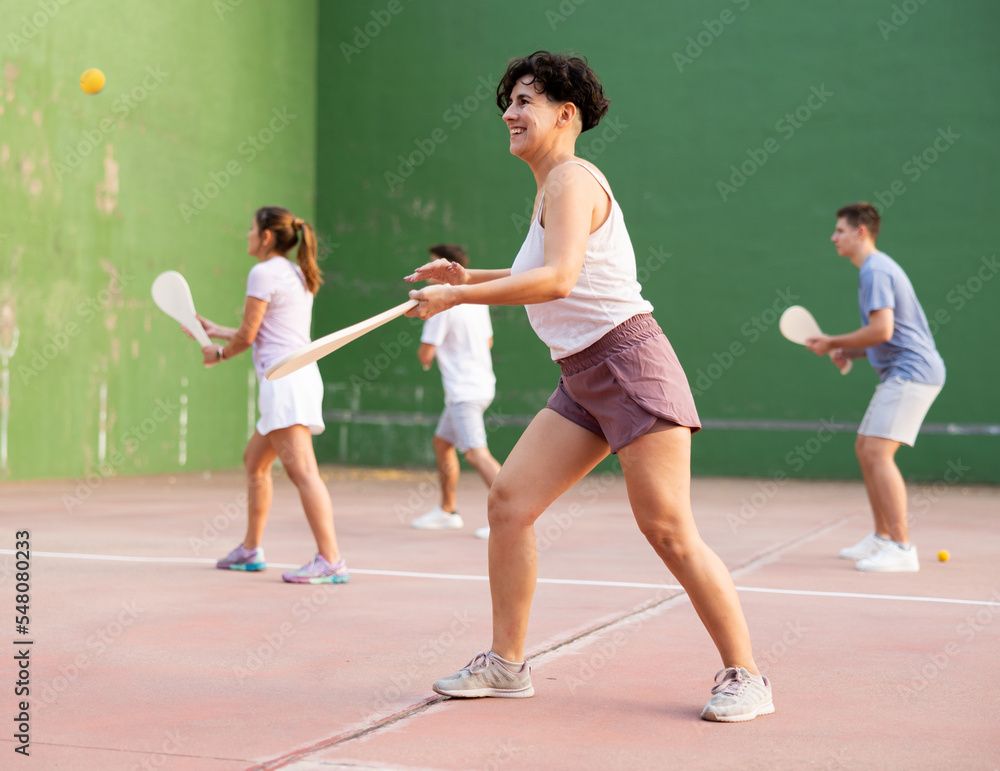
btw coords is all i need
(480, 276)
(215, 331)
(446, 272)
(572, 194)
(241, 338)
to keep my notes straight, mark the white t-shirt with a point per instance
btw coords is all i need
(462, 339)
(606, 293)
(285, 328)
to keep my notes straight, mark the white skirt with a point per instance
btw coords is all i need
(294, 400)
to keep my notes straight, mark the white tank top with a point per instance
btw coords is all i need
(606, 292)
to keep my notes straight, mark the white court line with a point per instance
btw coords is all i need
(562, 581)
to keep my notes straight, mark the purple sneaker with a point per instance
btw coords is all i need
(319, 571)
(243, 559)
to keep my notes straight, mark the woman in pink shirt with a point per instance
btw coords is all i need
(622, 389)
(276, 319)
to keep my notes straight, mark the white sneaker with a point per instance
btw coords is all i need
(738, 696)
(438, 519)
(892, 558)
(864, 548)
(483, 532)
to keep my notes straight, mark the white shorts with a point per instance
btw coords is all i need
(897, 410)
(462, 425)
(294, 400)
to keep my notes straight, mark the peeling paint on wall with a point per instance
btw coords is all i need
(107, 189)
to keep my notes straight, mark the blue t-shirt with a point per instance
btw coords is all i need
(910, 352)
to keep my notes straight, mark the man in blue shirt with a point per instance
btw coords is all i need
(896, 339)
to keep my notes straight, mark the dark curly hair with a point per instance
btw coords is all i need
(561, 79)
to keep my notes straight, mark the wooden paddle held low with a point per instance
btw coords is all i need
(798, 325)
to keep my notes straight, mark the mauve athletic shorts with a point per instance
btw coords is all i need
(627, 384)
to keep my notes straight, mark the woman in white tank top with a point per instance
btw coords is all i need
(622, 389)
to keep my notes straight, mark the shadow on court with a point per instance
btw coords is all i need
(143, 655)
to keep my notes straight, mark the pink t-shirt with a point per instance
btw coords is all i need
(279, 282)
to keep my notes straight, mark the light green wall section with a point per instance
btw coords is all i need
(841, 95)
(93, 190)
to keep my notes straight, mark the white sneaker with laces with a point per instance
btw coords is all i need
(483, 532)
(892, 558)
(864, 548)
(488, 675)
(738, 696)
(438, 519)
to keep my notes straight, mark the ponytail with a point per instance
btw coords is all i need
(307, 257)
(288, 230)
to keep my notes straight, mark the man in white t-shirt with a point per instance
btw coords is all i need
(460, 339)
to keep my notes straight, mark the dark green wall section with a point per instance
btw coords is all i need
(736, 131)
(208, 113)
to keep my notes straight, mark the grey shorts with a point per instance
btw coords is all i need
(627, 384)
(462, 426)
(897, 410)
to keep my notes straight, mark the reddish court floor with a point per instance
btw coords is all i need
(145, 656)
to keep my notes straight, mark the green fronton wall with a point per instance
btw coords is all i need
(737, 128)
(207, 114)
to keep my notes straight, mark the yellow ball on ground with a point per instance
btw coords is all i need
(92, 81)
(943, 555)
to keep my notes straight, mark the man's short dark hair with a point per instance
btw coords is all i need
(450, 252)
(861, 213)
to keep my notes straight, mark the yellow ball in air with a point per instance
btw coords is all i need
(92, 81)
